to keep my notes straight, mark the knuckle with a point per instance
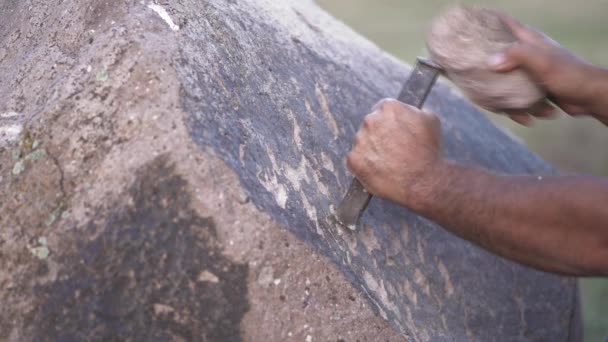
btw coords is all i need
(527, 33)
(536, 35)
(388, 104)
(408, 112)
(432, 118)
(349, 160)
(378, 106)
(551, 64)
(517, 52)
(357, 139)
(352, 162)
(368, 122)
(392, 105)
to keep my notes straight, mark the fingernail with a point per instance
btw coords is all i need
(497, 59)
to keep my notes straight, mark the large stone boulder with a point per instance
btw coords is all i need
(167, 172)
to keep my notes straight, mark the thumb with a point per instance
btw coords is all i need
(521, 31)
(518, 55)
(511, 58)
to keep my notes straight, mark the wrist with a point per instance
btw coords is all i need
(426, 191)
(598, 89)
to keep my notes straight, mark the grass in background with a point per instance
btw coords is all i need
(574, 145)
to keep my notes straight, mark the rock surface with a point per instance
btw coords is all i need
(168, 170)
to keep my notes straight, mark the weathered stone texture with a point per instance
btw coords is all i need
(174, 172)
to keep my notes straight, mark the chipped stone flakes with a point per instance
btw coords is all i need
(162, 13)
(421, 280)
(328, 164)
(9, 133)
(296, 177)
(272, 185)
(281, 196)
(410, 293)
(208, 277)
(329, 116)
(445, 274)
(266, 276)
(162, 309)
(8, 115)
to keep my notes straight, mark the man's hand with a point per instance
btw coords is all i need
(574, 85)
(396, 155)
(395, 152)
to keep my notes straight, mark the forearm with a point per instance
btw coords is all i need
(555, 223)
(598, 92)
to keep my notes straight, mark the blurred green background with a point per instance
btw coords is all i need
(574, 145)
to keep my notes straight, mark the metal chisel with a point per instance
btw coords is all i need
(414, 93)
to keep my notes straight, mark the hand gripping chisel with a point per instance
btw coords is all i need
(414, 92)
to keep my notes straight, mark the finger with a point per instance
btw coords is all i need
(427, 114)
(351, 162)
(520, 55)
(573, 110)
(522, 119)
(357, 140)
(521, 31)
(431, 118)
(357, 167)
(386, 104)
(369, 121)
(604, 121)
(544, 110)
(515, 112)
(507, 60)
